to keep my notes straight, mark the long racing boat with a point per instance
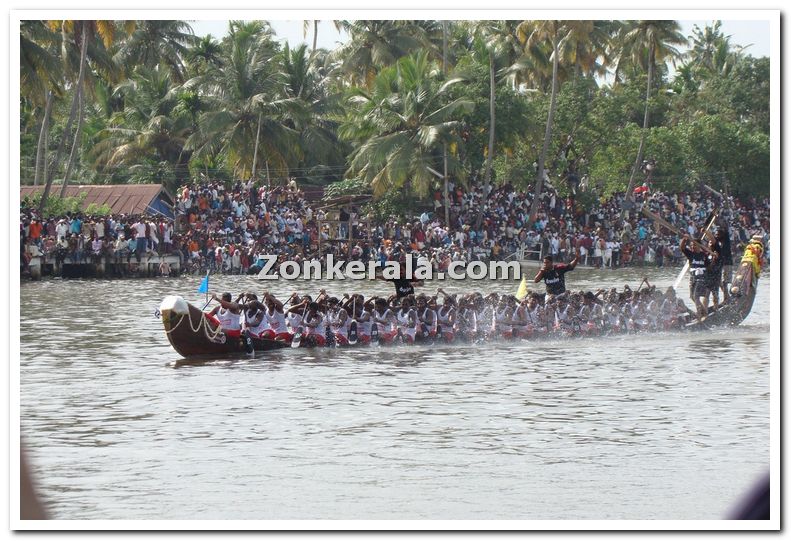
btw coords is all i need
(194, 334)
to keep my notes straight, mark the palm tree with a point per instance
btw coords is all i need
(40, 78)
(94, 37)
(316, 107)
(153, 125)
(712, 54)
(156, 42)
(374, 45)
(400, 126)
(204, 55)
(305, 26)
(705, 44)
(244, 103)
(648, 43)
(496, 41)
(560, 39)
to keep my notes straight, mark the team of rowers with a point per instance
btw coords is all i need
(352, 319)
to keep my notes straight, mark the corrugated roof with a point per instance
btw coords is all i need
(121, 198)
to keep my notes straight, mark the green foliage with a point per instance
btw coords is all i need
(378, 107)
(722, 145)
(393, 203)
(352, 186)
(98, 210)
(55, 206)
(516, 168)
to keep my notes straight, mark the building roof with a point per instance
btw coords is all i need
(121, 198)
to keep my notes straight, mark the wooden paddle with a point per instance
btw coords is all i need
(297, 340)
(353, 324)
(667, 225)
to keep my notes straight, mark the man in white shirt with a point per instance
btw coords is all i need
(61, 229)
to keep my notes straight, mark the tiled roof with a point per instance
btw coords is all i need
(121, 198)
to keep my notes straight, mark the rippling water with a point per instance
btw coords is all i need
(664, 426)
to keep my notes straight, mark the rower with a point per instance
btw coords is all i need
(554, 275)
(338, 320)
(295, 312)
(427, 318)
(503, 315)
(536, 315)
(485, 308)
(466, 325)
(520, 319)
(276, 319)
(227, 315)
(385, 321)
(254, 320)
(407, 320)
(590, 312)
(313, 324)
(698, 286)
(357, 307)
(563, 316)
(446, 316)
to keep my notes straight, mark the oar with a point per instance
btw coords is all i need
(297, 340)
(205, 305)
(353, 324)
(661, 221)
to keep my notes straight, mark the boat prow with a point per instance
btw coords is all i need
(193, 334)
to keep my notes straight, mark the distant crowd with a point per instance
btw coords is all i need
(228, 229)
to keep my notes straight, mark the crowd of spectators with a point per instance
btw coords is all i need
(228, 229)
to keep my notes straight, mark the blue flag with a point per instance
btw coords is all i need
(204, 284)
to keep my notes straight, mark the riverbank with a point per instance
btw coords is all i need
(68, 267)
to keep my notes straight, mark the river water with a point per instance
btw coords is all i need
(662, 426)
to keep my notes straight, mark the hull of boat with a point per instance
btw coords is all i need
(192, 334)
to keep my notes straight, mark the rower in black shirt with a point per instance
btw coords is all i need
(699, 265)
(403, 286)
(554, 275)
(726, 258)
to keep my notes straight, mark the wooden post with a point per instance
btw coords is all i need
(318, 221)
(351, 237)
(35, 267)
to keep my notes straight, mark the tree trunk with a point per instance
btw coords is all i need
(315, 33)
(80, 98)
(487, 177)
(75, 144)
(547, 136)
(446, 204)
(255, 150)
(58, 153)
(490, 154)
(41, 149)
(44, 160)
(639, 160)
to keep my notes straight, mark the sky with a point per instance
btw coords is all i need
(743, 32)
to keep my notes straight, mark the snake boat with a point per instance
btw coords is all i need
(194, 334)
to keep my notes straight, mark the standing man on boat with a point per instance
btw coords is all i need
(699, 262)
(554, 275)
(726, 258)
